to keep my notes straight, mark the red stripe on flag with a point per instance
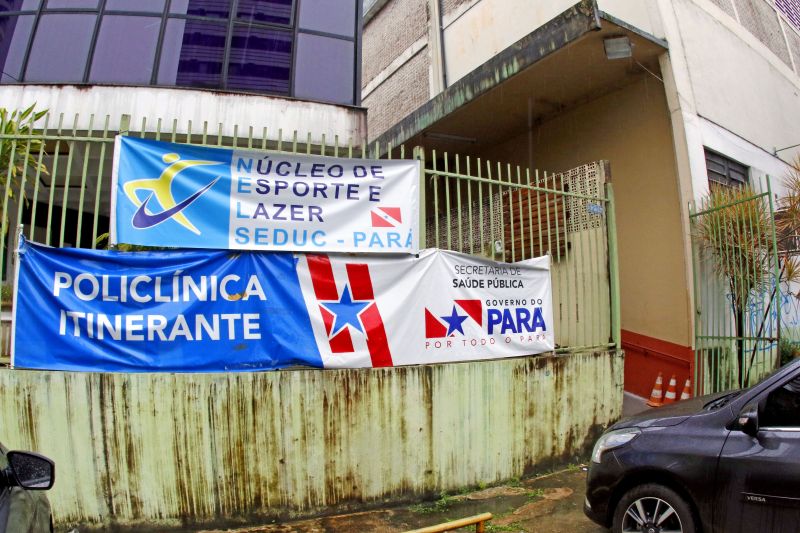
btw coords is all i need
(360, 282)
(327, 319)
(319, 266)
(377, 343)
(342, 342)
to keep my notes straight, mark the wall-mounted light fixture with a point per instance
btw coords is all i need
(618, 47)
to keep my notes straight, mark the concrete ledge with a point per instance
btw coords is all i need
(225, 113)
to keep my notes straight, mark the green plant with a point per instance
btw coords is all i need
(17, 155)
(497, 528)
(736, 231)
(6, 293)
(788, 351)
(103, 240)
(438, 506)
(535, 494)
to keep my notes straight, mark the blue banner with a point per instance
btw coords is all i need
(183, 311)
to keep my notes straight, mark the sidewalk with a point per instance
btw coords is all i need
(552, 503)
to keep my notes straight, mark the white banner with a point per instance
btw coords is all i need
(187, 196)
(439, 307)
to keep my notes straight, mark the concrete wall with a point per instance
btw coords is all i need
(741, 96)
(177, 450)
(430, 50)
(185, 105)
(395, 62)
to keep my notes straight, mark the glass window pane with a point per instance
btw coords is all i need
(18, 5)
(261, 60)
(201, 8)
(192, 53)
(332, 16)
(60, 47)
(71, 4)
(14, 35)
(269, 11)
(324, 69)
(125, 49)
(149, 6)
(782, 408)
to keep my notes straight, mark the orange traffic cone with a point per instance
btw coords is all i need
(687, 390)
(671, 394)
(656, 397)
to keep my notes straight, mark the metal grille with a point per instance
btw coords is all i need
(737, 294)
(468, 205)
(583, 213)
(790, 8)
(511, 214)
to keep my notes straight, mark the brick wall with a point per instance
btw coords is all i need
(448, 6)
(393, 29)
(399, 95)
(726, 6)
(762, 21)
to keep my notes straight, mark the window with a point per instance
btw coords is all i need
(724, 171)
(304, 48)
(790, 8)
(125, 49)
(782, 408)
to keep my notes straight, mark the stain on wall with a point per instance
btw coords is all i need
(178, 450)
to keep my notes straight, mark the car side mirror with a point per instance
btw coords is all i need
(748, 420)
(31, 470)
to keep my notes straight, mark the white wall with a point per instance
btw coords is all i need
(186, 105)
(478, 30)
(728, 91)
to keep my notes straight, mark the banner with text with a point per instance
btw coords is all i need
(179, 195)
(216, 311)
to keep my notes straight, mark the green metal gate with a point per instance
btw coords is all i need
(737, 287)
(467, 204)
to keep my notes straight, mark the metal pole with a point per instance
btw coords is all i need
(776, 300)
(419, 155)
(613, 269)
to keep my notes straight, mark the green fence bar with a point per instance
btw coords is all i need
(468, 204)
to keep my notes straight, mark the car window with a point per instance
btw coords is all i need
(782, 408)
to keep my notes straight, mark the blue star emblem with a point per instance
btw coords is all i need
(345, 312)
(454, 322)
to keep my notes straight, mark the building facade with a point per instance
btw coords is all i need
(675, 94)
(220, 72)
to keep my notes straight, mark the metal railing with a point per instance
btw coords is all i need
(737, 287)
(479, 521)
(466, 204)
(510, 214)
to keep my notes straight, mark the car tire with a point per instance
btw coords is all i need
(654, 502)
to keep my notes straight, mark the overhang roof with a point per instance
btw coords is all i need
(558, 66)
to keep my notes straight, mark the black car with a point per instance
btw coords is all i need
(722, 463)
(23, 508)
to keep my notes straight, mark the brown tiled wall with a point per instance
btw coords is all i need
(399, 95)
(393, 29)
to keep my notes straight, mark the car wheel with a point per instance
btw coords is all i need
(653, 509)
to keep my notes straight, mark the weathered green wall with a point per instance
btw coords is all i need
(172, 450)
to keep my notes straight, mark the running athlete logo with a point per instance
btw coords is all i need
(161, 189)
